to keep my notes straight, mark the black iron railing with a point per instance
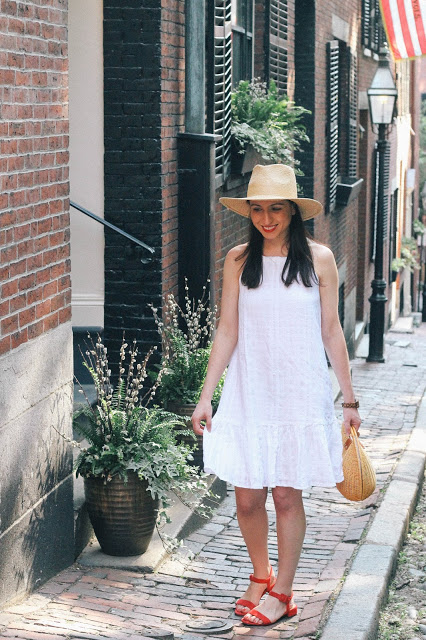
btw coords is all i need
(117, 229)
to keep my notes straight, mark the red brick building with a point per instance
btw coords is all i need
(36, 486)
(144, 159)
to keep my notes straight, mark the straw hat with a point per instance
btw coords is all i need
(273, 182)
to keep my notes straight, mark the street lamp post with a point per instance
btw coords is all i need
(381, 97)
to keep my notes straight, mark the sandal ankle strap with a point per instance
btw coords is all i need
(261, 580)
(281, 596)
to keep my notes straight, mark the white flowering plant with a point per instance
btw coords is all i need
(187, 335)
(126, 432)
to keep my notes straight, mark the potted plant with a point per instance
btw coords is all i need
(132, 460)
(265, 126)
(186, 335)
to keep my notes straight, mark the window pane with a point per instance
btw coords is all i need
(237, 58)
(241, 58)
(243, 14)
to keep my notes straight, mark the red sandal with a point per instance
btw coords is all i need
(269, 582)
(289, 612)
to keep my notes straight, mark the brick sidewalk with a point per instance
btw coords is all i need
(211, 571)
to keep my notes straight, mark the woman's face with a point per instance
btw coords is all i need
(272, 218)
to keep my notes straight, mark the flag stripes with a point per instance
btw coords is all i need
(405, 25)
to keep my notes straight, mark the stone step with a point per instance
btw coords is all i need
(402, 325)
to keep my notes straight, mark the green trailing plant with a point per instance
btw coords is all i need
(269, 122)
(186, 335)
(126, 432)
(409, 256)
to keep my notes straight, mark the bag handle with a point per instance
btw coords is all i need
(354, 434)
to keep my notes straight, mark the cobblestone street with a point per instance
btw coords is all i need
(211, 570)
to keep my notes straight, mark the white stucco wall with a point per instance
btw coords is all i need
(86, 160)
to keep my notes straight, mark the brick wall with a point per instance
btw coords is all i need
(36, 480)
(172, 114)
(338, 228)
(34, 206)
(230, 228)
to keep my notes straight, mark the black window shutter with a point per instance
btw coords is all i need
(341, 305)
(386, 197)
(333, 120)
(374, 204)
(386, 193)
(375, 45)
(353, 112)
(222, 86)
(366, 17)
(278, 45)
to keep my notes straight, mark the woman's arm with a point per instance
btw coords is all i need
(224, 342)
(332, 333)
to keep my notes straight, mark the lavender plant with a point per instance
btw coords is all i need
(187, 335)
(126, 432)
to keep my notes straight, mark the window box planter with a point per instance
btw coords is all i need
(348, 190)
(242, 163)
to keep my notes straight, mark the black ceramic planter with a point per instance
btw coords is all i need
(122, 514)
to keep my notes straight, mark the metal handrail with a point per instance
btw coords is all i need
(113, 227)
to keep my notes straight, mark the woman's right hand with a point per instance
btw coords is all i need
(202, 413)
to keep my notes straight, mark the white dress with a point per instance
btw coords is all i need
(275, 424)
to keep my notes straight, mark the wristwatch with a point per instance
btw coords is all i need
(350, 405)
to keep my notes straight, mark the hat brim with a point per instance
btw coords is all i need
(308, 208)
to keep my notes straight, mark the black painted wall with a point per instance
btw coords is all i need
(132, 96)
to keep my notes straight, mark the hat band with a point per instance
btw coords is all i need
(268, 196)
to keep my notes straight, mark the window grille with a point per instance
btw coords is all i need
(222, 86)
(278, 44)
(333, 121)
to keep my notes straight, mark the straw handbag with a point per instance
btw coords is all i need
(359, 476)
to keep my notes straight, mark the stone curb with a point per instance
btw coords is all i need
(183, 522)
(355, 615)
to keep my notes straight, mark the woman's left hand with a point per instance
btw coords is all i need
(351, 418)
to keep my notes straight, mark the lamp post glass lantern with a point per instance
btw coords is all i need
(381, 100)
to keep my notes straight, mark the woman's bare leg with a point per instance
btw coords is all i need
(291, 526)
(253, 521)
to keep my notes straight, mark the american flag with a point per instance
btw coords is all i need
(405, 25)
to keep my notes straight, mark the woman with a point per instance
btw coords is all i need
(275, 426)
